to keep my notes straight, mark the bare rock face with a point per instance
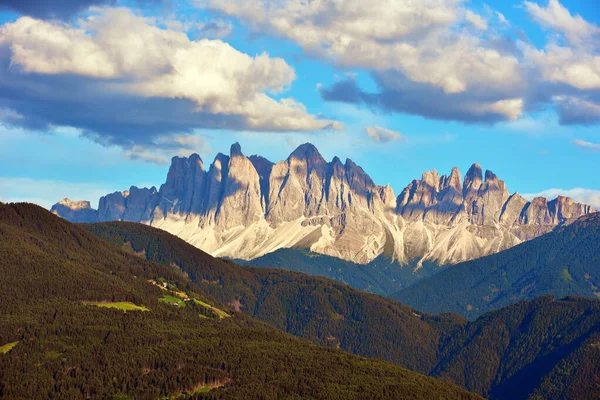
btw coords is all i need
(240, 203)
(296, 185)
(185, 180)
(75, 211)
(245, 207)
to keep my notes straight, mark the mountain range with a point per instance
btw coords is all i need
(246, 207)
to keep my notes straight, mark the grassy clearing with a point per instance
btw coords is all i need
(566, 275)
(167, 298)
(8, 347)
(121, 305)
(222, 314)
(198, 390)
(180, 298)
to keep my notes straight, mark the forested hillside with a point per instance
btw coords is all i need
(561, 263)
(318, 309)
(380, 276)
(544, 348)
(83, 319)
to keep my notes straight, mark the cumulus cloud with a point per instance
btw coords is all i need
(576, 67)
(123, 80)
(569, 64)
(401, 95)
(558, 18)
(436, 58)
(411, 48)
(384, 135)
(163, 148)
(586, 145)
(581, 195)
(476, 20)
(7, 115)
(577, 110)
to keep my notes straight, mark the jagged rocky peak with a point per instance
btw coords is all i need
(309, 153)
(244, 207)
(74, 205)
(387, 196)
(490, 176)
(236, 150)
(473, 180)
(263, 166)
(240, 202)
(75, 211)
(454, 180)
(358, 180)
(296, 185)
(512, 209)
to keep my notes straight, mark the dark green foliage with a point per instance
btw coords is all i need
(318, 309)
(539, 349)
(564, 262)
(545, 349)
(69, 350)
(380, 276)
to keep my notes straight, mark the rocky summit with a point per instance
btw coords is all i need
(245, 207)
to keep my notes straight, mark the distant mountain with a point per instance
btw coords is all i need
(563, 262)
(380, 276)
(65, 334)
(246, 207)
(540, 349)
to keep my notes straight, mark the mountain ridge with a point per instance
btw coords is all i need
(245, 207)
(562, 262)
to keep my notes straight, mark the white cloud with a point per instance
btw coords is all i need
(416, 39)
(428, 50)
(133, 56)
(384, 135)
(581, 195)
(47, 192)
(501, 18)
(140, 154)
(558, 18)
(577, 63)
(576, 109)
(576, 67)
(8, 115)
(160, 151)
(586, 145)
(476, 20)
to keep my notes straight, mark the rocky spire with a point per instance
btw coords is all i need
(244, 207)
(473, 180)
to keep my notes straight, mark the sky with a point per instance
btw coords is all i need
(98, 95)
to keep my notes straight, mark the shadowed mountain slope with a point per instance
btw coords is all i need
(563, 262)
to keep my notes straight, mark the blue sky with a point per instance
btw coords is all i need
(89, 102)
